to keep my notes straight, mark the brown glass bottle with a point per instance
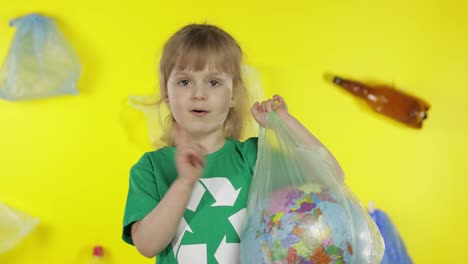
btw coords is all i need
(386, 100)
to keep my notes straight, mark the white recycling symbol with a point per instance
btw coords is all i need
(225, 195)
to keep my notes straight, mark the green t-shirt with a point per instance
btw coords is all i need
(212, 224)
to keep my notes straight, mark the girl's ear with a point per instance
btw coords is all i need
(232, 103)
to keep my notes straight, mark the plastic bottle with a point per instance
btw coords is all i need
(388, 101)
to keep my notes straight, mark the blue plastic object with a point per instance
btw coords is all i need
(40, 62)
(395, 250)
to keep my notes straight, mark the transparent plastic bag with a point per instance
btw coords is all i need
(299, 209)
(152, 122)
(395, 250)
(40, 62)
(14, 226)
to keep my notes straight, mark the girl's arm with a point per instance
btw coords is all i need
(154, 232)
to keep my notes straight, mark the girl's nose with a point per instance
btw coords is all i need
(199, 92)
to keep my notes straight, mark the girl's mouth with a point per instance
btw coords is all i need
(198, 112)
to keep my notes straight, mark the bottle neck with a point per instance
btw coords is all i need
(353, 87)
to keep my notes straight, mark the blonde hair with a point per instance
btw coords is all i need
(192, 48)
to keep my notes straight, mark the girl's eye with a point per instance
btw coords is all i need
(184, 82)
(214, 83)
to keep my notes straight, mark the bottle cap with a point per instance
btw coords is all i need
(337, 80)
(98, 251)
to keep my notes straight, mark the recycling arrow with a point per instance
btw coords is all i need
(227, 253)
(181, 229)
(197, 194)
(224, 194)
(222, 190)
(238, 220)
(189, 254)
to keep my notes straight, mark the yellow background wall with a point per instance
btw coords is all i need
(65, 160)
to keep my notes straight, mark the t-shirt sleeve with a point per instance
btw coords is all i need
(142, 195)
(250, 148)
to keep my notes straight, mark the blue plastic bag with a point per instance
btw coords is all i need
(395, 250)
(40, 62)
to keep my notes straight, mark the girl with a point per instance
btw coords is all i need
(186, 202)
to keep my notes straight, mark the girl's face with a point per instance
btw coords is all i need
(200, 100)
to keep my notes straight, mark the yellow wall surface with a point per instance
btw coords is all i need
(65, 160)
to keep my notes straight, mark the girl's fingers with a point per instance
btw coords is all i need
(270, 105)
(194, 158)
(257, 111)
(256, 107)
(264, 106)
(278, 98)
(189, 152)
(267, 106)
(197, 160)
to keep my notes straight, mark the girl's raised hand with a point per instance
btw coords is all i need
(260, 111)
(189, 157)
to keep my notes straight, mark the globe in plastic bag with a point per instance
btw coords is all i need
(40, 62)
(14, 226)
(300, 211)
